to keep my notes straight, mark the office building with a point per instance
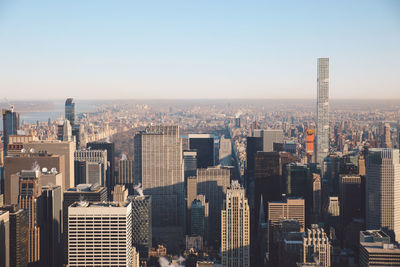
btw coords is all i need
(322, 146)
(25, 161)
(30, 200)
(386, 136)
(190, 163)
(50, 239)
(225, 152)
(235, 228)
(10, 126)
(289, 209)
(199, 211)
(4, 238)
(213, 183)
(93, 236)
(269, 137)
(18, 237)
(64, 148)
(87, 192)
(350, 198)
(70, 110)
(110, 148)
(159, 167)
(317, 195)
(290, 247)
(141, 224)
(382, 197)
(125, 174)
(64, 131)
(316, 247)
(203, 144)
(96, 165)
(376, 250)
(120, 193)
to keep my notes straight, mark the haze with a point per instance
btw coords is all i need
(197, 49)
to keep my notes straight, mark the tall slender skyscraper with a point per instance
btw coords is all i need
(235, 228)
(70, 110)
(322, 147)
(382, 191)
(10, 125)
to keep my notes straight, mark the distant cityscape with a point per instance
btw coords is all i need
(201, 183)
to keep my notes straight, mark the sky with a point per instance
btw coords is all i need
(170, 49)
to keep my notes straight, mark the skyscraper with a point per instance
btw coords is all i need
(225, 152)
(50, 239)
(350, 195)
(96, 165)
(289, 208)
(125, 174)
(213, 183)
(316, 247)
(235, 228)
(382, 194)
(110, 148)
(159, 167)
(100, 234)
(30, 200)
(204, 145)
(190, 160)
(322, 147)
(141, 224)
(4, 238)
(10, 126)
(120, 193)
(18, 241)
(86, 192)
(70, 110)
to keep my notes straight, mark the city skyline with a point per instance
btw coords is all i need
(198, 50)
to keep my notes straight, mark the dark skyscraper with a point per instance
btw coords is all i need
(70, 110)
(110, 158)
(141, 224)
(18, 235)
(51, 246)
(190, 160)
(10, 125)
(204, 145)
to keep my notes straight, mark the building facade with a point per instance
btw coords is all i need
(322, 147)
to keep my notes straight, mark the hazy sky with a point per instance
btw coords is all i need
(197, 49)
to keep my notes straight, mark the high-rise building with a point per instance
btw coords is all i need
(30, 200)
(86, 192)
(190, 162)
(225, 152)
(110, 148)
(322, 146)
(199, 211)
(50, 239)
(382, 196)
(316, 247)
(377, 250)
(70, 110)
(317, 195)
(64, 131)
(96, 165)
(141, 224)
(387, 140)
(10, 126)
(235, 228)
(120, 193)
(18, 238)
(213, 183)
(310, 143)
(350, 196)
(100, 234)
(65, 148)
(25, 161)
(289, 209)
(269, 137)
(125, 174)
(159, 167)
(4, 238)
(204, 145)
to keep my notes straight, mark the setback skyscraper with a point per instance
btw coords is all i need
(235, 228)
(322, 147)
